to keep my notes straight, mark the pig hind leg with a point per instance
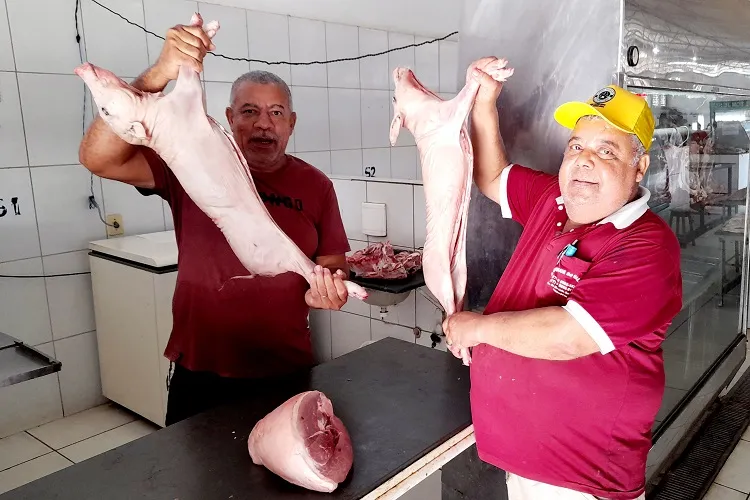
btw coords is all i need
(326, 438)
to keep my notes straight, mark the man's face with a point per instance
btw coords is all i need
(261, 122)
(597, 175)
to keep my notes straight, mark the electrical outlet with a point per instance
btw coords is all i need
(114, 225)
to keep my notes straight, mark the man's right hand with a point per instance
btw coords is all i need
(184, 44)
(490, 88)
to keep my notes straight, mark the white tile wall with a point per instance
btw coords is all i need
(231, 40)
(307, 42)
(7, 62)
(373, 71)
(160, 15)
(311, 131)
(80, 382)
(18, 220)
(140, 214)
(344, 111)
(106, 37)
(12, 140)
(318, 159)
(66, 223)
(71, 303)
(23, 308)
(344, 116)
(268, 35)
(347, 162)
(32, 56)
(52, 107)
(342, 42)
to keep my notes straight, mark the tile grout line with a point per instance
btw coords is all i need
(730, 488)
(85, 439)
(27, 461)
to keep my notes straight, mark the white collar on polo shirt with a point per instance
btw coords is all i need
(629, 213)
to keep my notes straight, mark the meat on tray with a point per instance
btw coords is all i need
(303, 442)
(379, 260)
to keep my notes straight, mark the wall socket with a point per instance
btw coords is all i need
(114, 225)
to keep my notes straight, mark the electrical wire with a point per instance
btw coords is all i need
(307, 63)
(38, 276)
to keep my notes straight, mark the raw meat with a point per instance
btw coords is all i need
(379, 260)
(303, 442)
(445, 152)
(205, 159)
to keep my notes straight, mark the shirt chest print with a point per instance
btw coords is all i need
(563, 281)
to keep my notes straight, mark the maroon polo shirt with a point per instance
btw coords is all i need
(583, 424)
(251, 327)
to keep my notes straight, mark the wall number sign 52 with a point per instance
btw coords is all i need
(15, 207)
(370, 171)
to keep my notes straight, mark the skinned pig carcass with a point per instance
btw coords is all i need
(207, 162)
(447, 159)
(303, 442)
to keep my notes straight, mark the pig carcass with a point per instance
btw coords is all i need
(303, 442)
(379, 260)
(447, 159)
(206, 160)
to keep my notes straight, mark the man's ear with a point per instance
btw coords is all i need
(230, 115)
(396, 124)
(293, 120)
(138, 134)
(642, 166)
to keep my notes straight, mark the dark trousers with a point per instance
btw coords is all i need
(466, 477)
(190, 393)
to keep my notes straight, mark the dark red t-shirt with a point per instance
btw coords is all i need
(252, 327)
(583, 424)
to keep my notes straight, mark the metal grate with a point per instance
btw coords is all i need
(694, 471)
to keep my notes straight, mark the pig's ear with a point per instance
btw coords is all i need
(398, 121)
(138, 133)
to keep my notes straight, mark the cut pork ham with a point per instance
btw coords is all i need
(445, 152)
(303, 442)
(379, 260)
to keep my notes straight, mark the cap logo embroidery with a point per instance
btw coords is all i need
(603, 96)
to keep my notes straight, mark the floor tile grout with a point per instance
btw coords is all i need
(92, 436)
(29, 460)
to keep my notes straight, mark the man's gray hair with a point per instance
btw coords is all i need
(263, 78)
(639, 150)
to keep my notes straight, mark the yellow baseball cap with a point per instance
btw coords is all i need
(621, 108)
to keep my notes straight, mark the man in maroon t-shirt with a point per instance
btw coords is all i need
(567, 372)
(232, 338)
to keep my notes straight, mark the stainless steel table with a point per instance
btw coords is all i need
(20, 362)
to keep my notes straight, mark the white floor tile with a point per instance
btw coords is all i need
(20, 448)
(31, 471)
(80, 426)
(719, 492)
(736, 471)
(107, 441)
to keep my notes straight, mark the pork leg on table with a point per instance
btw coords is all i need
(447, 159)
(205, 159)
(303, 442)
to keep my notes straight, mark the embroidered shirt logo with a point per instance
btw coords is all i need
(563, 281)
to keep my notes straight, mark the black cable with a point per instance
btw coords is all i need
(92, 197)
(343, 59)
(45, 276)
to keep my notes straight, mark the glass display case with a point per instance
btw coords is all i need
(698, 182)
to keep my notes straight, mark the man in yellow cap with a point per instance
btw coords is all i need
(567, 373)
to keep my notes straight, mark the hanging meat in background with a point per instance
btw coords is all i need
(303, 442)
(445, 152)
(206, 160)
(379, 260)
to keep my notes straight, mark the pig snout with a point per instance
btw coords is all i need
(84, 70)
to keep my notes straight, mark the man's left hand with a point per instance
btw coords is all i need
(327, 290)
(463, 330)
